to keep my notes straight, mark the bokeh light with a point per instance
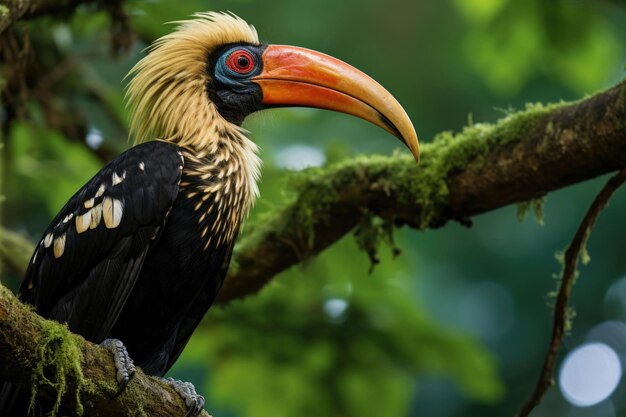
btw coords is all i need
(335, 307)
(94, 138)
(615, 300)
(298, 157)
(611, 333)
(590, 374)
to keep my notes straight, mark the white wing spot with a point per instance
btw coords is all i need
(68, 218)
(100, 190)
(142, 166)
(116, 179)
(47, 241)
(59, 246)
(96, 216)
(89, 203)
(82, 222)
(112, 211)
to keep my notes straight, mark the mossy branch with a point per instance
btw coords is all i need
(35, 352)
(521, 157)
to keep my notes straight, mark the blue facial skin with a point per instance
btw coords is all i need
(235, 94)
(238, 83)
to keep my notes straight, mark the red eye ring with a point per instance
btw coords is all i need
(240, 61)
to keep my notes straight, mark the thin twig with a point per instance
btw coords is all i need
(561, 307)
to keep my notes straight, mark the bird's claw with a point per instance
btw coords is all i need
(193, 401)
(123, 363)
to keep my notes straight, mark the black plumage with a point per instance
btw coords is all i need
(152, 269)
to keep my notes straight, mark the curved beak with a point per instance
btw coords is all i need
(294, 76)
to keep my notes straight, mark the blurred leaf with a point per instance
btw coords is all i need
(47, 169)
(479, 10)
(286, 342)
(151, 17)
(510, 43)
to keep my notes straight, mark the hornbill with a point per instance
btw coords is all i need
(139, 253)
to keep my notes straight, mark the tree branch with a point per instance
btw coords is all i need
(561, 309)
(521, 157)
(40, 353)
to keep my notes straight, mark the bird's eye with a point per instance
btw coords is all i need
(241, 61)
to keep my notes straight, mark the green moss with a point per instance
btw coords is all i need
(59, 359)
(138, 401)
(4, 11)
(523, 208)
(370, 233)
(536, 204)
(570, 315)
(584, 254)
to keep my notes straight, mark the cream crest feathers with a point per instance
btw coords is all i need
(167, 95)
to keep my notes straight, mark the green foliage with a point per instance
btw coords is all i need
(46, 169)
(340, 344)
(153, 19)
(511, 42)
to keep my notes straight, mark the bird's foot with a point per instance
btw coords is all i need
(123, 363)
(194, 401)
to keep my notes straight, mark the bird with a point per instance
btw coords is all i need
(137, 256)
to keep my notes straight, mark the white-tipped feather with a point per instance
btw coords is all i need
(83, 221)
(112, 212)
(59, 246)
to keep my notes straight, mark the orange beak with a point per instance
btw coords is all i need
(295, 76)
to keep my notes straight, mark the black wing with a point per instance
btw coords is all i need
(86, 265)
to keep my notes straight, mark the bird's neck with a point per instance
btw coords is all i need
(221, 174)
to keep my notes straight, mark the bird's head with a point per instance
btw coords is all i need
(212, 72)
